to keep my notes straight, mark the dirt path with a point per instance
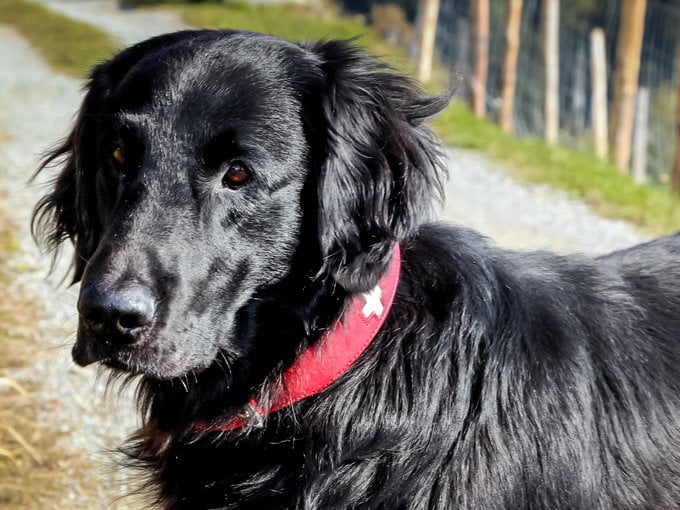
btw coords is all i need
(36, 109)
(482, 196)
(127, 25)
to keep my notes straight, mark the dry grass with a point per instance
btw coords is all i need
(39, 467)
(34, 471)
(25, 445)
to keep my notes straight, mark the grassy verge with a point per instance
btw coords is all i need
(597, 182)
(70, 47)
(293, 23)
(20, 436)
(34, 471)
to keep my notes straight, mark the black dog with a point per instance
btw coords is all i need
(230, 195)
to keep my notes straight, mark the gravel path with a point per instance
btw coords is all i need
(37, 108)
(127, 25)
(482, 196)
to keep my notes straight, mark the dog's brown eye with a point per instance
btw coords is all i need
(118, 155)
(237, 175)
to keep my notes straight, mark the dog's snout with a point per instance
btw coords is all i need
(118, 314)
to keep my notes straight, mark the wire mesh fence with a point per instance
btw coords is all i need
(658, 78)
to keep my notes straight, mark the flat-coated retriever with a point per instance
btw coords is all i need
(243, 209)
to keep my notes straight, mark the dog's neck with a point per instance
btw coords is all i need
(322, 363)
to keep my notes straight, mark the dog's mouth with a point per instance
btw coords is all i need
(87, 352)
(121, 366)
(131, 364)
(143, 360)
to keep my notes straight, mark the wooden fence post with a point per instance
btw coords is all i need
(631, 31)
(428, 32)
(551, 55)
(675, 176)
(480, 45)
(512, 38)
(641, 136)
(598, 62)
(579, 89)
(462, 43)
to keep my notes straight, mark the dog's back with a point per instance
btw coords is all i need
(571, 373)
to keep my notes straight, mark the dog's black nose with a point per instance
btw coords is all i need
(121, 315)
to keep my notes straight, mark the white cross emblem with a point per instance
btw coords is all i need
(373, 302)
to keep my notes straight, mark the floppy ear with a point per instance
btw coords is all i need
(70, 210)
(381, 169)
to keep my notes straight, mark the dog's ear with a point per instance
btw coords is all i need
(69, 210)
(380, 169)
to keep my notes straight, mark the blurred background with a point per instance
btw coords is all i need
(564, 134)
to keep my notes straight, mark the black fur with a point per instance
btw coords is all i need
(499, 380)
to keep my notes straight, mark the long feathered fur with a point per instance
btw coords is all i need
(499, 380)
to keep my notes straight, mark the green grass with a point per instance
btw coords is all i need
(69, 47)
(653, 208)
(292, 23)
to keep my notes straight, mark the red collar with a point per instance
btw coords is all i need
(338, 349)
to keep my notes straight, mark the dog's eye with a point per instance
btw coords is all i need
(118, 156)
(236, 176)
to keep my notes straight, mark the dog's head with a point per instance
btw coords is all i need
(203, 162)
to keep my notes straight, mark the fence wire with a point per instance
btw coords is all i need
(658, 73)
